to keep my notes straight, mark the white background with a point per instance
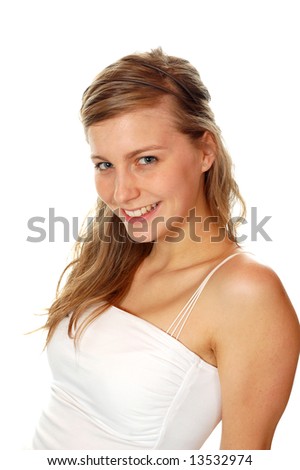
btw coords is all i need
(247, 53)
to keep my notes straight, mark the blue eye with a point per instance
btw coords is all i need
(147, 160)
(102, 166)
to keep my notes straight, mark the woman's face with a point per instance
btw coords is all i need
(147, 172)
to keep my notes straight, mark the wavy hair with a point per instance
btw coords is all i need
(105, 257)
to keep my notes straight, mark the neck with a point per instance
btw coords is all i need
(192, 243)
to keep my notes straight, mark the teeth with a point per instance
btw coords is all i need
(141, 211)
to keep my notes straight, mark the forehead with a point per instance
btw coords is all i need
(157, 121)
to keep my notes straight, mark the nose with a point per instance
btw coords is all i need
(126, 188)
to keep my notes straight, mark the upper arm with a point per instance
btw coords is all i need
(257, 347)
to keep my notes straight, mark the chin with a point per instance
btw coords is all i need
(141, 236)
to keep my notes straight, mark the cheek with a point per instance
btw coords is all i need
(190, 191)
(185, 181)
(103, 188)
(97, 185)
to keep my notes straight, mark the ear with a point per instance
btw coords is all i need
(208, 150)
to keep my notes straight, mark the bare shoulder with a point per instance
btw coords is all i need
(252, 299)
(246, 272)
(256, 345)
(255, 287)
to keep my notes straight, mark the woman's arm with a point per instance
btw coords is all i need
(257, 348)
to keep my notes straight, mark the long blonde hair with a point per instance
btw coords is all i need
(106, 258)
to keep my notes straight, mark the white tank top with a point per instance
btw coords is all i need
(129, 385)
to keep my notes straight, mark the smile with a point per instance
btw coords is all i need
(142, 211)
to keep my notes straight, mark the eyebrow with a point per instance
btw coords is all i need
(134, 152)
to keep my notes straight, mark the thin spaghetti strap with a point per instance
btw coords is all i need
(181, 319)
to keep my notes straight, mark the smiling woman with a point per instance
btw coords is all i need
(156, 182)
(164, 326)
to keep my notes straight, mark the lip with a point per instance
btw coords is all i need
(141, 218)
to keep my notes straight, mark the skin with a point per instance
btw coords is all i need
(243, 322)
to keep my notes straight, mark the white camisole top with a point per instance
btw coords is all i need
(129, 385)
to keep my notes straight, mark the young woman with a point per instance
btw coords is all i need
(164, 325)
